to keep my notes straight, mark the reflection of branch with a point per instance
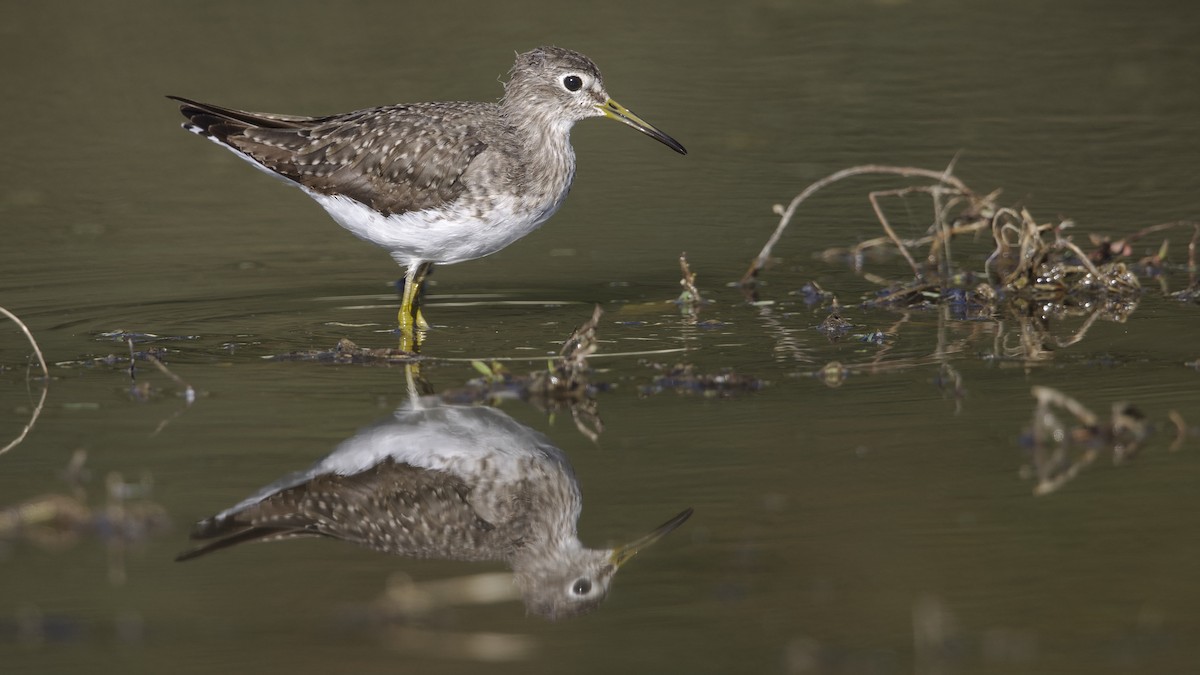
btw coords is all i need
(1061, 450)
(1180, 430)
(835, 373)
(189, 394)
(1081, 333)
(1052, 465)
(1046, 396)
(1034, 335)
(785, 342)
(45, 382)
(1192, 255)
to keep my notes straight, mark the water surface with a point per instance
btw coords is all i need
(880, 526)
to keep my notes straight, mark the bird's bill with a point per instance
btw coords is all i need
(622, 554)
(613, 110)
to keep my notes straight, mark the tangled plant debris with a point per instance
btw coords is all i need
(1031, 264)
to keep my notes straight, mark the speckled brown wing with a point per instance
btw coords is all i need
(394, 159)
(391, 507)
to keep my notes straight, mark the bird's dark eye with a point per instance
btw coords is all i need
(581, 586)
(572, 82)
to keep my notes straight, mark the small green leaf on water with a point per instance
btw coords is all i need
(85, 405)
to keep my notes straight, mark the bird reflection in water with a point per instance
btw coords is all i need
(444, 482)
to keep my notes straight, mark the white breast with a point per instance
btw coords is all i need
(449, 235)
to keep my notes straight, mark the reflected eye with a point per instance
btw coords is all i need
(572, 82)
(581, 587)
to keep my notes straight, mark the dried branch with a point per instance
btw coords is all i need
(786, 214)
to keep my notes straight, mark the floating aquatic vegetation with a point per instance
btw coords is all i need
(145, 390)
(813, 294)
(118, 360)
(834, 326)
(346, 351)
(682, 378)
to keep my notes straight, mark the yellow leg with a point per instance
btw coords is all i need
(412, 324)
(421, 323)
(405, 317)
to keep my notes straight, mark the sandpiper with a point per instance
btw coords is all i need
(445, 482)
(434, 182)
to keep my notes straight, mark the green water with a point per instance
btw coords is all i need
(835, 527)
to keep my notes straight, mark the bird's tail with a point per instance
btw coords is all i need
(230, 531)
(218, 123)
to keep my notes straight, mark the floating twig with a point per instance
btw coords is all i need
(145, 390)
(189, 394)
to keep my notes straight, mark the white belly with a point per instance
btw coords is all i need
(443, 236)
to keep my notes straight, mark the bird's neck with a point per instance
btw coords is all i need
(545, 139)
(543, 558)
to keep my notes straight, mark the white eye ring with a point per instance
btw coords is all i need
(581, 586)
(572, 82)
